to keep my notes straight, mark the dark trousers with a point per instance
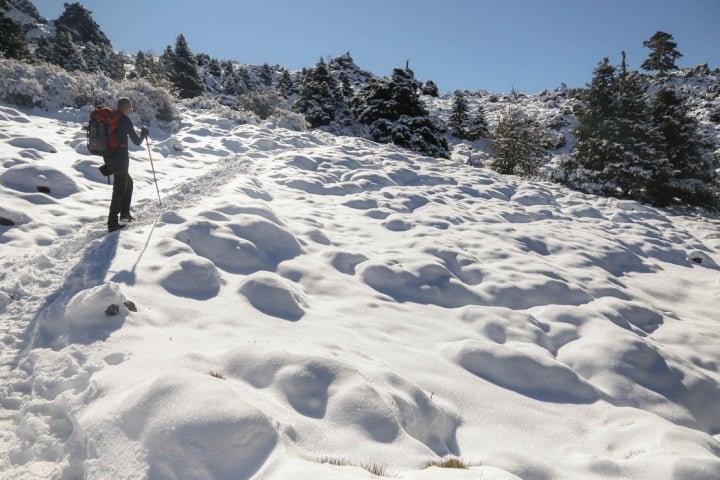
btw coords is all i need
(122, 186)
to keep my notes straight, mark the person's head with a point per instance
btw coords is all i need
(124, 105)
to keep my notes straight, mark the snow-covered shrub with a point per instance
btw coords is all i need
(263, 103)
(214, 107)
(50, 87)
(150, 101)
(288, 120)
(43, 86)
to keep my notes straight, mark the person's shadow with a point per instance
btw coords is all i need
(50, 328)
(129, 277)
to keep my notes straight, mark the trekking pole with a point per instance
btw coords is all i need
(147, 141)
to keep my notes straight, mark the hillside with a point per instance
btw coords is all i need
(306, 305)
(256, 92)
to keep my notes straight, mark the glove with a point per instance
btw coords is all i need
(143, 132)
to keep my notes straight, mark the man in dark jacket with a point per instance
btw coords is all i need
(118, 161)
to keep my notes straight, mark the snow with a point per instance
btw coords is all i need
(307, 306)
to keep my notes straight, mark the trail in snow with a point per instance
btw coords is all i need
(72, 263)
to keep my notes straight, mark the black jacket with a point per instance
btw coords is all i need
(124, 129)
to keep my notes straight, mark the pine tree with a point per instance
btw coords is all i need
(596, 134)
(663, 53)
(477, 127)
(232, 82)
(431, 88)
(167, 60)
(689, 180)
(516, 148)
(77, 21)
(395, 113)
(266, 75)
(44, 49)
(639, 164)
(345, 86)
(286, 86)
(389, 99)
(320, 97)
(100, 58)
(12, 38)
(152, 69)
(623, 145)
(142, 65)
(91, 43)
(66, 54)
(184, 71)
(213, 68)
(459, 117)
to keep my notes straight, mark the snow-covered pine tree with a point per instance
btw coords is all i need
(396, 114)
(320, 97)
(516, 148)
(477, 127)
(690, 181)
(12, 39)
(465, 125)
(641, 165)
(286, 86)
(184, 71)
(598, 152)
(77, 21)
(459, 116)
(345, 86)
(266, 75)
(66, 54)
(211, 73)
(631, 148)
(89, 41)
(431, 88)
(151, 69)
(100, 58)
(231, 80)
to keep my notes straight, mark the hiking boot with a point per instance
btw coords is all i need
(126, 217)
(114, 228)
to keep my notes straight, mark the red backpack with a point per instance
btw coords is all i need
(101, 135)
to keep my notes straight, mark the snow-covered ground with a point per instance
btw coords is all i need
(307, 306)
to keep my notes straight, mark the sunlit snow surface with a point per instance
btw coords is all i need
(310, 305)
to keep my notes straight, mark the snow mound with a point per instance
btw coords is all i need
(701, 258)
(88, 308)
(274, 295)
(220, 245)
(240, 244)
(420, 279)
(192, 277)
(372, 405)
(16, 217)
(525, 369)
(189, 426)
(32, 144)
(90, 314)
(34, 178)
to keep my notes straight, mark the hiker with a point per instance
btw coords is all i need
(118, 161)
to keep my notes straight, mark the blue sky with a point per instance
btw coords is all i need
(494, 45)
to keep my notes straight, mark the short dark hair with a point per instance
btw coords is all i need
(122, 102)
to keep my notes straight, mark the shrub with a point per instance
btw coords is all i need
(450, 462)
(50, 87)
